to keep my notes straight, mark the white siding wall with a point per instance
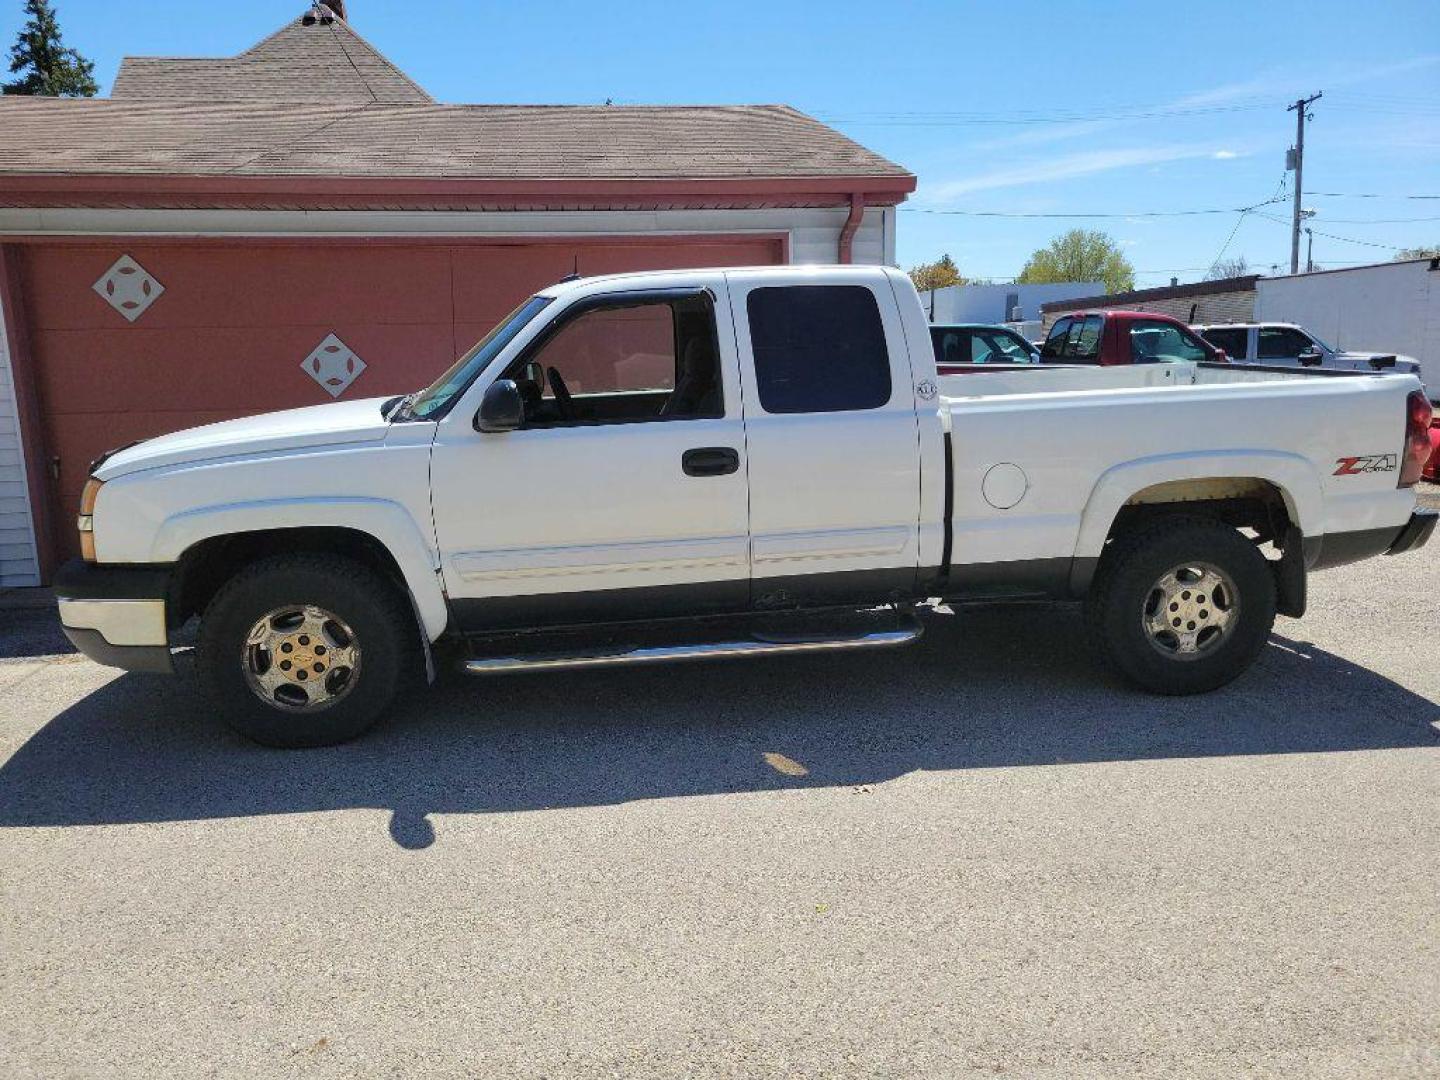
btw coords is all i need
(814, 234)
(18, 562)
(1393, 307)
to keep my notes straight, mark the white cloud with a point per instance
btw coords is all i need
(1086, 163)
(1225, 155)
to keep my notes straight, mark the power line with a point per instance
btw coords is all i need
(1091, 214)
(1380, 221)
(1334, 236)
(965, 119)
(1367, 195)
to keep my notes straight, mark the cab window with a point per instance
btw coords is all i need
(1055, 340)
(1163, 343)
(998, 347)
(1280, 343)
(624, 360)
(1085, 346)
(818, 348)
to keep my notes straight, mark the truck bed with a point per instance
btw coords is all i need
(1054, 442)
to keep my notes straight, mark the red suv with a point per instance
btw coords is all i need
(1125, 337)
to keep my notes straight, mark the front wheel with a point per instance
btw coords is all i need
(1182, 607)
(304, 650)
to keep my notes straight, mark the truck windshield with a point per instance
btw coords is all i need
(431, 402)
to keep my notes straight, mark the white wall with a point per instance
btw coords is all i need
(814, 233)
(987, 303)
(1390, 308)
(18, 562)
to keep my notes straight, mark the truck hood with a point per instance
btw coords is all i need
(319, 425)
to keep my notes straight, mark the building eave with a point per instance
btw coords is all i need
(340, 192)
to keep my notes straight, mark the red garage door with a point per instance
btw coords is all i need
(224, 328)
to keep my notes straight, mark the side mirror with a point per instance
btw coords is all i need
(502, 408)
(1221, 356)
(1311, 356)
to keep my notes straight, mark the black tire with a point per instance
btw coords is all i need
(1131, 568)
(382, 623)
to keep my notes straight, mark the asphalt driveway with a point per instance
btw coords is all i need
(972, 857)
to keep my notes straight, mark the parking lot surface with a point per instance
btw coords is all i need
(974, 857)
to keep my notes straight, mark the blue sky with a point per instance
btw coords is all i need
(1014, 108)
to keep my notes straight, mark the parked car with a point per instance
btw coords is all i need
(562, 498)
(980, 343)
(1288, 345)
(1125, 337)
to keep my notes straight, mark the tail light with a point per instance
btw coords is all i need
(1418, 413)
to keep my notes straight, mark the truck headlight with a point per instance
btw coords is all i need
(86, 522)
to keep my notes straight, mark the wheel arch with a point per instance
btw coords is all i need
(1277, 494)
(208, 545)
(1168, 480)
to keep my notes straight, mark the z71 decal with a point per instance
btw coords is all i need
(1354, 466)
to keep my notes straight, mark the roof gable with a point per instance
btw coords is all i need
(305, 60)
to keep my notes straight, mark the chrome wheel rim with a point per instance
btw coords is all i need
(301, 658)
(1190, 611)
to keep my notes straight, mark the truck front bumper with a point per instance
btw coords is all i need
(1416, 532)
(115, 615)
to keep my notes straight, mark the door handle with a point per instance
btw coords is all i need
(710, 461)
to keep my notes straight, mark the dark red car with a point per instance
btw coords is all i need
(1125, 337)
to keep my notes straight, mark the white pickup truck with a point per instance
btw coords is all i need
(713, 463)
(1289, 345)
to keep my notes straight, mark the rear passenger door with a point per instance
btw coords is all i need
(832, 439)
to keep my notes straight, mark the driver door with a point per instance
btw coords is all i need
(623, 495)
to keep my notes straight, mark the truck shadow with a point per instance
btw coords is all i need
(995, 687)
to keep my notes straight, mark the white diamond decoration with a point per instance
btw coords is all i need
(333, 365)
(129, 288)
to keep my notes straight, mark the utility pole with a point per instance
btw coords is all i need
(1302, 112)
(1309, 252)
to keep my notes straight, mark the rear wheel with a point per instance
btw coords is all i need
(1181, 607)
(305, 650)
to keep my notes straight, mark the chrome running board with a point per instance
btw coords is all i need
(718, 650)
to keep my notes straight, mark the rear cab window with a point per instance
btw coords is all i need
(818, 348)
(1233, 339)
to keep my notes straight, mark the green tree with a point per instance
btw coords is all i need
(45, 66)
(1431, 252)
(940, 274)
(1080, 255)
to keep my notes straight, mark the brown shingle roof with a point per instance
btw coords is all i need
(1245, 283)
(320, 63)
(522, 142)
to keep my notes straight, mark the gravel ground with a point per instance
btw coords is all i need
(972, 857)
